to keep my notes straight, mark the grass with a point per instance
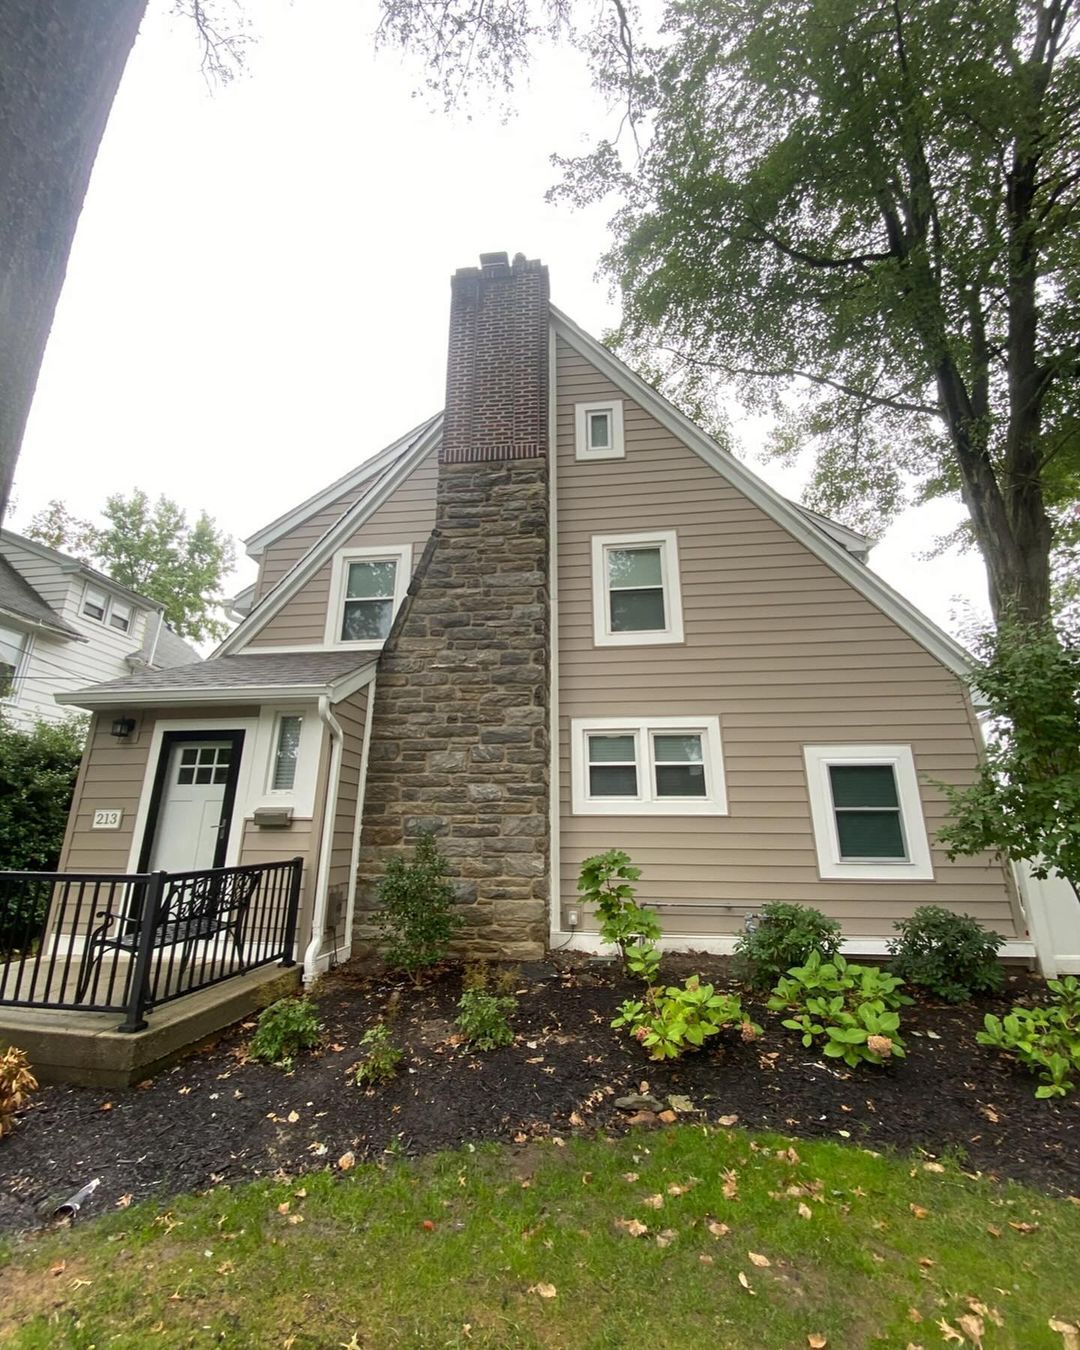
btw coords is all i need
(464, 1249)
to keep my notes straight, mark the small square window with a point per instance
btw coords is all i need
(95, 603)
(598, 430)
(636, 596)
(190, 756)
(186, 776)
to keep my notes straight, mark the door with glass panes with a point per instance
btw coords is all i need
(193, 803)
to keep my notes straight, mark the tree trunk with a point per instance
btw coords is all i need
(60, 66)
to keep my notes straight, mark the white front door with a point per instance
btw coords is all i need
(192, 799)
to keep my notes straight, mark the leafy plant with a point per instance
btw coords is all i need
(668, 1022)
(1045, 1040)
(16, 1085)
(503, 979)
(482, 1018)
(784, 935)
(604, 883)
(416, 918)
(284, 1029)
(381, 1056)
(952, 955)
(854, 1010)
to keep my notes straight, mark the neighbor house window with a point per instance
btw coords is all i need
(12, 650)
(656, 766)
(108, 609)
(367, 589)
(636, 597)
(286, 753)
(120, 615)
(95, 603)
(598, 430)
(867, 813)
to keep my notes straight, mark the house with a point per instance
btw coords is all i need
(553, 619)
(63, 623)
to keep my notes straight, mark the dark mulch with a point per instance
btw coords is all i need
(216, 1118)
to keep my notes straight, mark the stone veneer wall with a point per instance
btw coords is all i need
(460, 736)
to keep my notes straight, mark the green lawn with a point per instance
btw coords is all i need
(754, 1242)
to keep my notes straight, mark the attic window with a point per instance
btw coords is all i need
(598, 430)
(95, 603)
(120, 615)
(366, 592)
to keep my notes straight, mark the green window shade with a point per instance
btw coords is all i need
(612, 766)
(680, 770)
(369, 601)
(286, 753)
(867, 807)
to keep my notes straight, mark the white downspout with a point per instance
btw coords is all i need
(345, 951)
(322, 877)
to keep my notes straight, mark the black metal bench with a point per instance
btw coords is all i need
(193, 909)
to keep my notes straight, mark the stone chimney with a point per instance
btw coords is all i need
(460, 736)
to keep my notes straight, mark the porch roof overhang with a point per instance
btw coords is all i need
(256, 677)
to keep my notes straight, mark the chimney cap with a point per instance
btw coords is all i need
(495, 262)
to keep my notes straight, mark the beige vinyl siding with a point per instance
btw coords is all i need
(280, 556)
(111, 776)
(785, 652)
(406, 517)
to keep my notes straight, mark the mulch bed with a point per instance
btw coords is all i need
(216, 1118)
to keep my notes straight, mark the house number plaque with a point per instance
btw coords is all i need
(107, 819)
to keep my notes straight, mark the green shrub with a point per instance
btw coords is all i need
(284, 1029)
(783, 936)
(604, 883)
(482, 1018)
(1045, 1040)
(381, 1057)
(952, 955)
(854, 1010)
(416, 916)
(668, 1022)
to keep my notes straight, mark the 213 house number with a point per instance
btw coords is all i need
(107, 819)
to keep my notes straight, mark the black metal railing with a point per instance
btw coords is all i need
(127, 944)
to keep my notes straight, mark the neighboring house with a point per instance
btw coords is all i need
(63, 623)
(555, 619)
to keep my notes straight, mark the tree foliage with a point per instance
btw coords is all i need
(37, 777)
(1025, 802)
(871, 201)
(153, 549)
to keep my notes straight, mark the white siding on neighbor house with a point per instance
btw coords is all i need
(406, 517)
(50, 581)
(786, 653)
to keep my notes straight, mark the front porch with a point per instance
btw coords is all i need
(105, 977)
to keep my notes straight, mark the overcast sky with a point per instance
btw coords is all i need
(257, 296)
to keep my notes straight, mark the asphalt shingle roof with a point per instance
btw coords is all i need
(17, 596)
(267, 670)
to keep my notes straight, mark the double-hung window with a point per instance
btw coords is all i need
(99, 605)
(95, 603)
(635, 583)
(867, 813)
(367, 588)
(12, 651)
(598, 430)
(650, 766)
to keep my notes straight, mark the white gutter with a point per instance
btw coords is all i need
(345, 950)
(554, 823)
(322, 879)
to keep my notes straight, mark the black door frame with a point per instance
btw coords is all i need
(169, 741)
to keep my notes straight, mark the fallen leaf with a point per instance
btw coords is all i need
(124, 1201)
(643, 1088)
(982, 1310)
(993, 1230)
(319, 1150)
(632, 1226)
(520, 1138)
(914, 1315)
(745, 1283)
(949, 1333)
(58, 1268)
(630, 1176)
(918, 1211)
(718, 1230)
(666, 1237)
(544, 1290)
(805, 1212)
(295, 1218)
(990, 1114)
(1024, 1227)
(933, 1167)
(576, 1119)
(653, 1201)
(816, 1341)
(428, 1226)
(731, 1184)
(668, 1117)
(789, 1155)
(347, 1160)
(301, 1194)
(80, 1284)
(677, 1189)
(727, 1120)
(758, 1259)
(705, 1259)
(1068, 1331)
(926, 1262)
(293, 1117)
(283, 1208)
(973, 1327)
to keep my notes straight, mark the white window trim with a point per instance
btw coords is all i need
(19, 673)
(399, 553)
(647, 803)
(667, 542)
(617, 448)
(110, 601)
(831, 866)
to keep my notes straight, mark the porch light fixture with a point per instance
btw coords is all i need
(122, 727)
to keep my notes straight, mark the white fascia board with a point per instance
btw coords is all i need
(258, 542)
(337, 535)
(851, 540)
(785, 513)
(141, 698)
(349, 684)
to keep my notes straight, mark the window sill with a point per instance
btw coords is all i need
(657, 808)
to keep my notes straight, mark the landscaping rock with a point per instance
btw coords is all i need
(638, 1101)
(683, 1105)
(667, 1117)
(643, 1118)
